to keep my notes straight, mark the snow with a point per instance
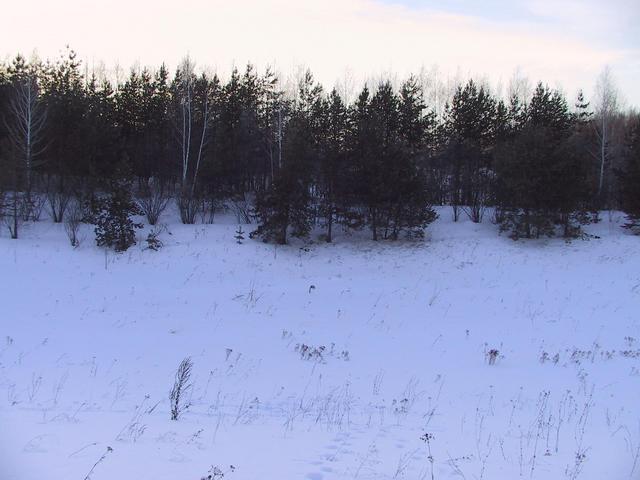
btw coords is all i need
(90, 342)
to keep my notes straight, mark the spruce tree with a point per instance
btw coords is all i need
(112, 214)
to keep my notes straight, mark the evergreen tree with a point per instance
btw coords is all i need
(239, 236)
(111, 214)
(391, 185)
(471, 126)
(160, 132)
(272, 109)
(377, 141)
(630, 179)
(548, 108)
(287, 203)
(65, 100)
(333, 157)
(285, 207)
(417, 125)
(583, 114)
(238, 150)
(100, 130)
(543, 178)
(130, 117)
(312, 160)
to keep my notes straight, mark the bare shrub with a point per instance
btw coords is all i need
(58, 200)
(4, 204)
(153, 200)
(209, 206)
(72, 223)
(13, 213)
(189, 207)
(153, 238)
(180, 387)
(32, 207)
(242, 206)
(498, 216)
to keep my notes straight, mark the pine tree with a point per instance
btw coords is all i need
(65, 101)
(239, 151)
(271, 114)
(286, 206)
(130, 118)
(390, 184)
(630, 179)
(548, 108)
(471, 125)
(417, 126)
(377, 135)
(333, 164)
(160, 130)
(100, 129)
(543, 178)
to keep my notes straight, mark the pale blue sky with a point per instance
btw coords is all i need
(610, 22)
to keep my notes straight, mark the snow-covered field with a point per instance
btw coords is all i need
(324, 362)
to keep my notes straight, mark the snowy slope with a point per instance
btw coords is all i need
(90, 342)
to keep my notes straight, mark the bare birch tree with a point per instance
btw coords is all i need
(519, 87)
(606, 107)
(186, 113)
(25, 124)
(204, 139)
(192, 144)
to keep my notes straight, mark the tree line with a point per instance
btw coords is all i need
(303, 159)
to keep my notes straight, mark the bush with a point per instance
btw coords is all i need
(153, 201)
(111, 216)
(72, 224)
(153, 238)
(188, 205)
